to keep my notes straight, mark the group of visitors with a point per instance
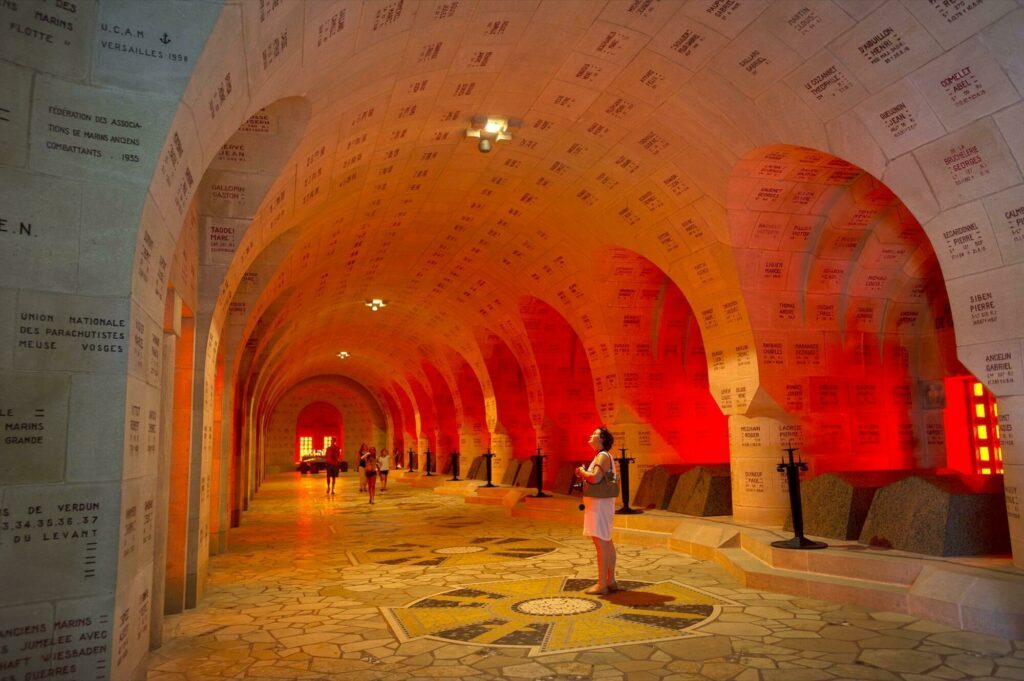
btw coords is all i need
(599, 508)
(370, 466)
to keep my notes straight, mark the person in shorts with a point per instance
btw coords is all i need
(333, 456)
(370, 471)
(383, 466)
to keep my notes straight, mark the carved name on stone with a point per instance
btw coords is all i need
(33, 424)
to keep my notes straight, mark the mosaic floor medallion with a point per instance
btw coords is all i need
(553, 615)
(454, 551)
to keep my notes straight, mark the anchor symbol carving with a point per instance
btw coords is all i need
(165, 39)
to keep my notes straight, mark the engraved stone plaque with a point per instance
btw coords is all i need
(826, 85)
(71, 529)
(220, 238)
(180, 163)
(969, 163)
(218, 90)
(276, 38)
(728, 16)
(964, 241)
(687, 42)
(755, 61)
(997, 365)
(130, 636)
(150, 47)
(1006, 213)
(83, 132)
(38, 231)
(232, 195)
(50, 35)
(72, 643)
(806, 25)
(985, 305)
(899, 119)
(964, 84)
(951, 22)
(886, 46)
(71, 333)
(651, 78)
(33, 421)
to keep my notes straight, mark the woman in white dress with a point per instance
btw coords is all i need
(598, 514)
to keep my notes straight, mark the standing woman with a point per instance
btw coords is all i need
(599, 513)
(360, 467)
(383, 467)
(370, 466)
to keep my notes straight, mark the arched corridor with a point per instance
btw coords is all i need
(469, 232)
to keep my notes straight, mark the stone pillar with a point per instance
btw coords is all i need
(222, 504)
(178, 475)
(759, 491)
(165, 452)
(198, 537)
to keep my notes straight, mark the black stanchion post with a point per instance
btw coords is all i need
(487, 457)
(538, 468)
(455, 466)
(428, 463)
(792, 470)
(624, 462)
(411, 465)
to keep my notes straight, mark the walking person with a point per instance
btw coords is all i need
(370, 471)
(333, 457)
(363, 451)
(383, 467)
(599, 512)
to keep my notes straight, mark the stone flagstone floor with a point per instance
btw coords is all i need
(424, 586)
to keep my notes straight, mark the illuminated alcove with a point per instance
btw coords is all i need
(850, 313)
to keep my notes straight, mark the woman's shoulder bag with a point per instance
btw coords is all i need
(607, 487)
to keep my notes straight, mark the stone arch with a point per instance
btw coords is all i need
(655, 378)
(851, 320)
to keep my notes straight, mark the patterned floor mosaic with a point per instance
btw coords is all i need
(553, 615)
(301, 594)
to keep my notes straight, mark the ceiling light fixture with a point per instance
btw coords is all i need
(491, 129)
(342, 355)
(376, 304)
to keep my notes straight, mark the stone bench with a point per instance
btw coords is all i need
(836, 504)
(508, 478)
(940, 515)
(704, 490)
(657, 485)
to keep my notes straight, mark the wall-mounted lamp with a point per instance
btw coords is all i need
(342, 355)
(491, 129)
(376, 304)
